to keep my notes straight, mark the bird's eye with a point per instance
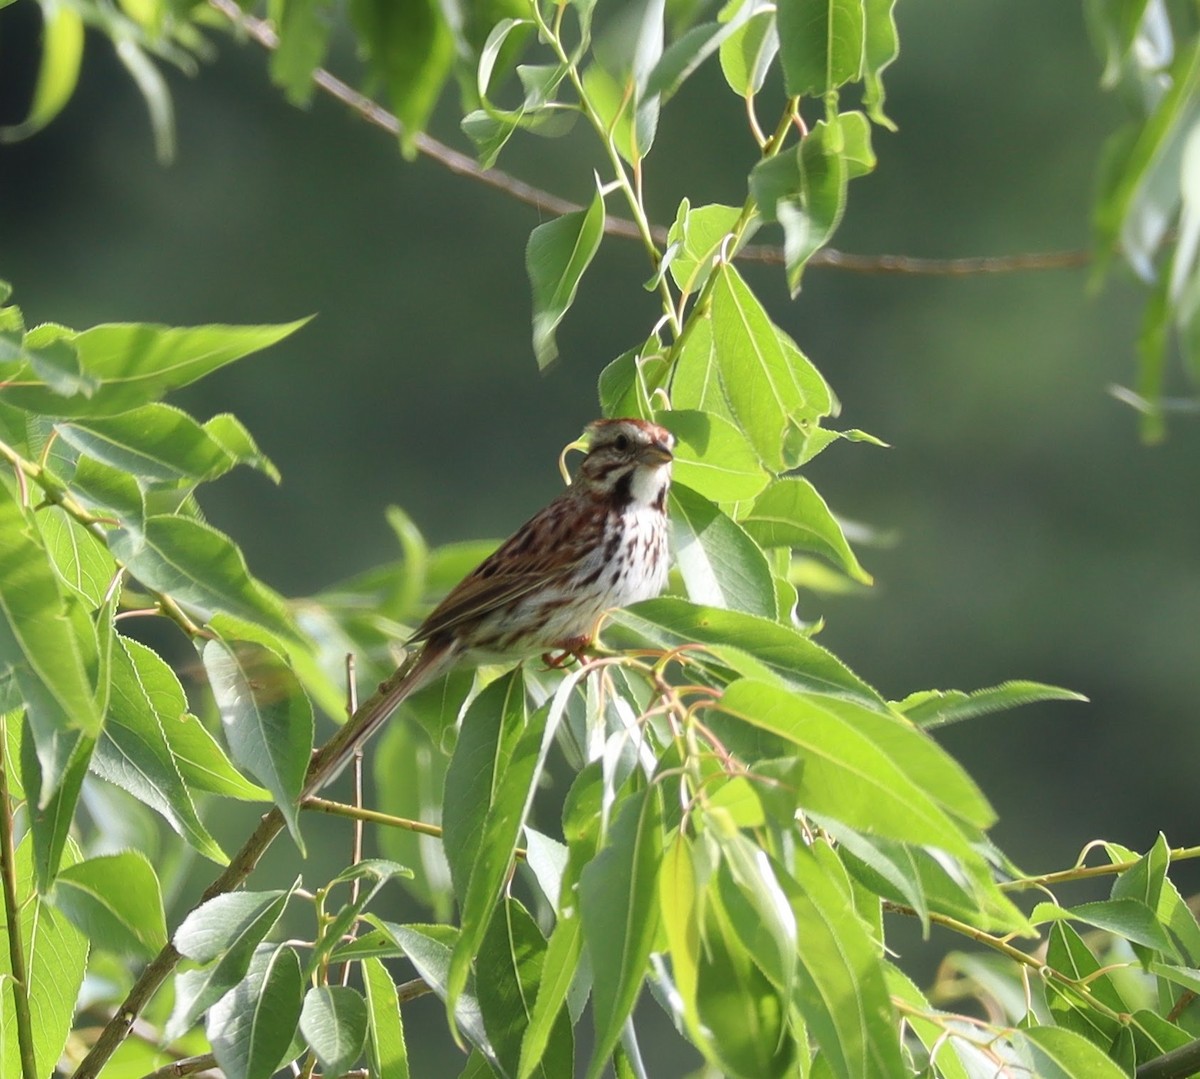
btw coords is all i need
(621, 442)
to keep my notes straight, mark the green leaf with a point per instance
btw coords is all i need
(617, 86)
(697, 379)
(371, 875)
(1128, 918)
(491, 730)
(867, 769)
(153, 88)
(626, 384)
(512, 954)
(109, 492)
(235, 921)
(429, 948)
(334, 1023)
(559, 969)
(748, 879)
(721, 565)
(116, 901)
(804, 190)
(881, 47)
(409, 777)
(303, 27)
(79, 556)
(224, 934)
(686, 53)
(1066, 952)
(937, 707)
(39, 645)
(135, 750)
(156, 442)
(58, 72)
(52, 811)
(618, 899)
(556, 257)
(1057, 1053)
(411, 50)
(737, 1006)
(790, 513)
(229, 432)
(699, 234)
(1141, 193)
(267, 718)
(55, 955)
(136, 363)
(758, 379)
(926, 881)
(50, 352)
(747, 54)
(668, 622)
(197, 565)
(252, 1026)
(387, 1054)
(713, 457)
(842, 995)
(515, 772)
(821, 45)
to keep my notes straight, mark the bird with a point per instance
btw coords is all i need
(601, 544)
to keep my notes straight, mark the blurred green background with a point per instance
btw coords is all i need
(1034, 536)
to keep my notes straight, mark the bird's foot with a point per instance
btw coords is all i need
(570, 651)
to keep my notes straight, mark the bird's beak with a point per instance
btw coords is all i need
(655, 454)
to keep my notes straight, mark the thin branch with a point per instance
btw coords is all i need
(547, 203)
(12, 918)
(188, 1066)
(325, 763)
(1084, 872)
(1177, 1064)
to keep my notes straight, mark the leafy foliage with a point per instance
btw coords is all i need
(742, 810)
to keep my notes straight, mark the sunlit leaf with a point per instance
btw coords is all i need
(38, 643)
(1057, 1053)
(669, 622)
(58, 72)
(386, 1049)
(410, 48)
(222, 933)
(619, 909)
(790, 513)
(303, 27)
(197, 565)
(935, 708)
(334, 1023)
(251, 1027)
(556, 257)
(513, 953)
(712, 456)
(820, 44)
(55, 955)
(116, 901)
(864, 768)
(136, 363)
(429, 948)
(154, 442)
(267, 718)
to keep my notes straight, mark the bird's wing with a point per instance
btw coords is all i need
(474, 598)
(536, 554)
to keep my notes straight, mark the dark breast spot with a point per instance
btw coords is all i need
(622, 492)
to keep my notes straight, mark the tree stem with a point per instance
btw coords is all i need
(12, 917)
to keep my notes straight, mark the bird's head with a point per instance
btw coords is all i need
(628, 460)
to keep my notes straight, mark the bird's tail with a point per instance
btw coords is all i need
(430, 663)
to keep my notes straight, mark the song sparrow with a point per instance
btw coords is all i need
(602, 543)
